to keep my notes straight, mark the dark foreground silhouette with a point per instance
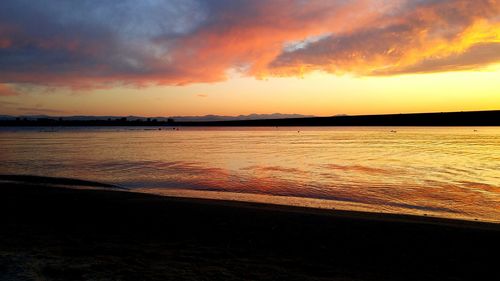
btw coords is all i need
(54, 233)
(467, 118)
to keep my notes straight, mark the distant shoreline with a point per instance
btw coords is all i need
(465, 118)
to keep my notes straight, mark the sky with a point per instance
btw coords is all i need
(232, 57)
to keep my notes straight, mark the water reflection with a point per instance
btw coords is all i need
(449, 172)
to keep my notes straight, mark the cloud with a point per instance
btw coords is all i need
(6, 91)
(8, 103)
(38, 110)
(89, 44)
(474, 57)
(423, 36)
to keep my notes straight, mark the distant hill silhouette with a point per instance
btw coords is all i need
(252, 116)
(211, 117)
(467, 118)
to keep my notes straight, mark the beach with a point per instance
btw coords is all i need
(249, 140)
(93, 232)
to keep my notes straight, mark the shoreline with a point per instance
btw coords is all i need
(311, 205)
(244, 200)
(55, 233)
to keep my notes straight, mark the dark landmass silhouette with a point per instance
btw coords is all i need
(252, 116)
(463, 118)
(209, 117)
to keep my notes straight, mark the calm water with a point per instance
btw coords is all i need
(446, 172)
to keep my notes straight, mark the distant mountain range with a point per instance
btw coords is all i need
(463, 118)
(176, 118)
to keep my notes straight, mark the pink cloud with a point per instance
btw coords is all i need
(6, 90)
(201, 41)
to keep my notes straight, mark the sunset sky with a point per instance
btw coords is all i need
(231, 57)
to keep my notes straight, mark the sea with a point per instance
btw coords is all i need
(447, 172)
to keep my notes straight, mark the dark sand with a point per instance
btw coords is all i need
(53, 233)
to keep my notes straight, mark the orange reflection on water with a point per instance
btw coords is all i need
(445, 172)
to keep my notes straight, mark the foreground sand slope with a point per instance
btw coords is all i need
(53, 233)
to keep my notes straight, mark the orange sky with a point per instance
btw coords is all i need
(164, 58)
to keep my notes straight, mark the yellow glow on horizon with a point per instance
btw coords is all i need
(317, 93)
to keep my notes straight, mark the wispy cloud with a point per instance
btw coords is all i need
(88, 44)
(39, 110)
(7, 104)
(6, 91)
(475, 57)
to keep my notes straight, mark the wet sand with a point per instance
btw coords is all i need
(50, 232)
